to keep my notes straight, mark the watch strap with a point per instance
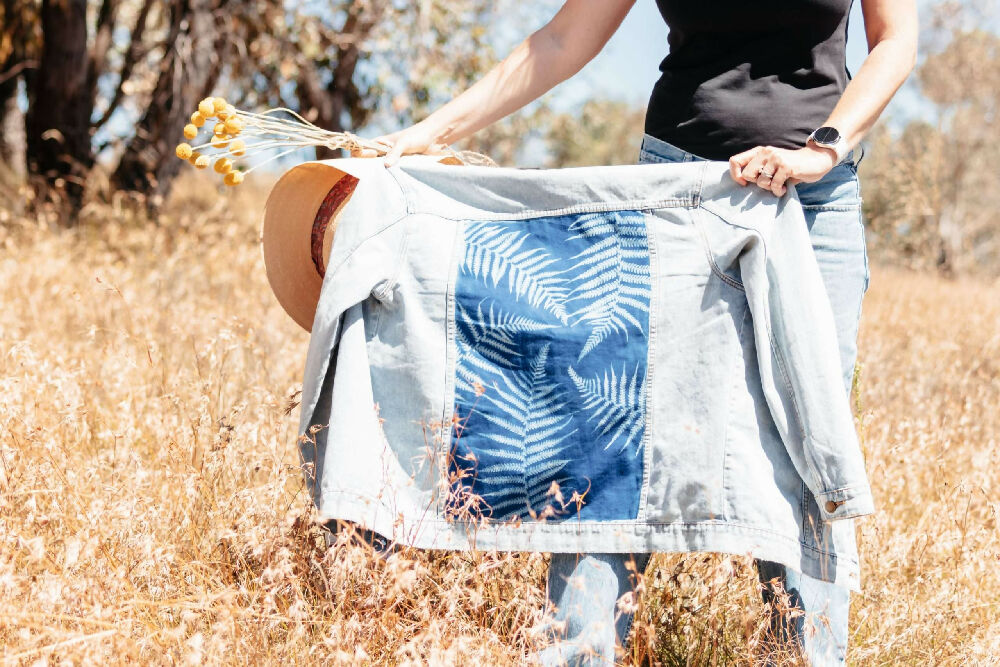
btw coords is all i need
(839, 148)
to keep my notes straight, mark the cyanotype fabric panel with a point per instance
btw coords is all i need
(552, 321)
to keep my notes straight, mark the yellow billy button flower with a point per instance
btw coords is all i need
(219, 130)
(194, 157)
(202, 162)
(190, 131)
(206, 107)
(219, 104)
(220, 142)
(184, 151)
(233, 178)
(197, 119)
(223, 166)
(238, 148)
(234, 125)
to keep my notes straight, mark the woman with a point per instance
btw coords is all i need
(765, 87)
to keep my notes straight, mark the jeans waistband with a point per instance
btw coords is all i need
(665, 149)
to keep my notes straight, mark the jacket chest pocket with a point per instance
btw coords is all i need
(374, 306)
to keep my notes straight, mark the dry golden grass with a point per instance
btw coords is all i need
(151, 507)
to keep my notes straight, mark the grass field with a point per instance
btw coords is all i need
(151, 509)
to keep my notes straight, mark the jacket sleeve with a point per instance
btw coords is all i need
(799, 362)
(363, 262)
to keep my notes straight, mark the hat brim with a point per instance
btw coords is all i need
(287, 235)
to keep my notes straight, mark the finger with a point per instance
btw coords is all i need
(751, 170)
(778, 182)
(765, 176)
(384, 145)
(739, 161)
(393, 155)
(734, 171)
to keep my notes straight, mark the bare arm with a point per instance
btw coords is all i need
(891, 27)
(552, 54)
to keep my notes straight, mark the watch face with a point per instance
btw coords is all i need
(826, 135)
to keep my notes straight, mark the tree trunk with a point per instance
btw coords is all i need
(58, 124)
(188, 73)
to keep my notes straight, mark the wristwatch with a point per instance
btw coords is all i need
(829, 137)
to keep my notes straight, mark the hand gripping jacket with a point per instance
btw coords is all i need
(628, 358)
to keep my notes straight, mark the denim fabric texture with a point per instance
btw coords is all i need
(578, 584)
(574, 351)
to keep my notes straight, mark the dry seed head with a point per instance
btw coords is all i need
(238, 148)
(184, 151)
(233, 178)
(234, 126)
(220, 142)
(202, 162)
(190, 131)
(223, 166)
(197, 119)
(219, 104)
(206, 107)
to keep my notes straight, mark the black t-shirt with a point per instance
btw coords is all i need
(742, 74)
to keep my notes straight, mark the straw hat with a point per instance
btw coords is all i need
(300, 221)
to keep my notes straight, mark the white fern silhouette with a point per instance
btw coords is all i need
(530, 427)
(614, 283)
(487, 342)
(492, 252)
(618, 402)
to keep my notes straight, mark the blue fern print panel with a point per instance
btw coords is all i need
(551, 332)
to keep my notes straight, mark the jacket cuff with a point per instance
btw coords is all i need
(845, 503)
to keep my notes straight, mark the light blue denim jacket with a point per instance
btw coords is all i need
(654, 342)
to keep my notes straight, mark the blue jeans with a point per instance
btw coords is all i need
(586, 587)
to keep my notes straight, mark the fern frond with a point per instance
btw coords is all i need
(617, 402)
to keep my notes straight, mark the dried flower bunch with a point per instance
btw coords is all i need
(237, 134)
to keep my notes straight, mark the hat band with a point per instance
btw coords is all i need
(337, 195)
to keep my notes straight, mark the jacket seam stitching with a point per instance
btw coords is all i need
(647, 454)
(780, 362)
(451, 367)
(683, 524)
(350, 253)
(392, 283)
(725, 438)
(407, 201)
(593, 207)
(701, 183)
(732, 282)
(842, 489)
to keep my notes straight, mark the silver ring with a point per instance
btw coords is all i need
(766, 174)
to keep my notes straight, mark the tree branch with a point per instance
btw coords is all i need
(133, 55)
(102, 44)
